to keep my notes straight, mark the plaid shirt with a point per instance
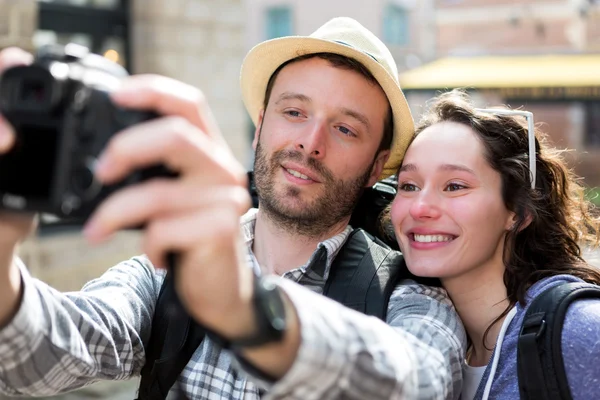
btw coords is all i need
(62, 341)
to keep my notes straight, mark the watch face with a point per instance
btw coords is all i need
(273, 306)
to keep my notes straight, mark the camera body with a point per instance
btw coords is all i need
(63, 117)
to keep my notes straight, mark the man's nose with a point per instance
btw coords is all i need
(313, 142)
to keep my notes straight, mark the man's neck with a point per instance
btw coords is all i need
(278, 250)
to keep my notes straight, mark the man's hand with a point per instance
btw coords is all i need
(195, 215)
(13, 227)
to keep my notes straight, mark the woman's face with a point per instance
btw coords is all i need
(449, 216)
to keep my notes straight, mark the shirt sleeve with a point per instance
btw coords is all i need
(581, 348)
(417, 354)
(58, 342)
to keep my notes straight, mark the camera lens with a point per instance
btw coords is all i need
(84, 182)
(33, 91)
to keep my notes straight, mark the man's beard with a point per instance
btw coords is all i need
(316, 217)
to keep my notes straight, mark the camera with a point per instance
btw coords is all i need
(63, 117)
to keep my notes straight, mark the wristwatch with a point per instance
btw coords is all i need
(270, 314)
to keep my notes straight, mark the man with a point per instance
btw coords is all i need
(328, 125)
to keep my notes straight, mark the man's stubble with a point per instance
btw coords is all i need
(317, 216)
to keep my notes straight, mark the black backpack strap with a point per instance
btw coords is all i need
(173, 340)
(540, 367)
(364, 274)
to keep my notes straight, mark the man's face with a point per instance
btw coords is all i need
(316, 145)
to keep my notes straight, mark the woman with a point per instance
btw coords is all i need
(466, 212)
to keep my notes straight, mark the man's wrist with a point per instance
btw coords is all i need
(269, 314)
(272, 361)
(260, 321)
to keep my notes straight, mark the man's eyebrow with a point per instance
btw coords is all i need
(293, 96)
(443, 167)
(357, 116)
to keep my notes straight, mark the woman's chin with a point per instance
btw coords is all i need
(425, 270)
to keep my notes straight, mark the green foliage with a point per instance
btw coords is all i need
(593, 194)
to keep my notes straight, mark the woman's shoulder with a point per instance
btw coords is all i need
(583, 314)
(582, 322)
(547, 283)
(581, 347)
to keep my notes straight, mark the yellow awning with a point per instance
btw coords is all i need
(506, 72)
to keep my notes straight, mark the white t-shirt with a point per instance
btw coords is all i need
(471, 380)
(472, 375)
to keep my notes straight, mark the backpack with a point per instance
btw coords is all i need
(540, 366)
(363, 276)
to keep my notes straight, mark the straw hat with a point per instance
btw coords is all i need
(343, 36)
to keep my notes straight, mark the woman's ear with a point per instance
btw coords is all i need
(514, 219)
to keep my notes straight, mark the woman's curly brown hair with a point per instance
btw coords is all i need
(552, 221)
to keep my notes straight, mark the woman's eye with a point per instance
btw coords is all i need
(453, 187)
(407, 187)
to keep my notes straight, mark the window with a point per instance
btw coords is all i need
(592, 129)
(279, 22)
(395, 25)
(100, 25)
(105, 4)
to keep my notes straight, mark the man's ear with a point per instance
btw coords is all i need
(259, 123)
(380, 161)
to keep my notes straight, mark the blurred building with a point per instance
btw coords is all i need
(405, 26)
(200, 42)
(541, 55)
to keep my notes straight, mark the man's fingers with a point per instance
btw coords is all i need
(211, 250)
(7, 135)
(173, 142)
(167, 96)
(13, 56)
(138, 204)
(205, 232)
(10, 57)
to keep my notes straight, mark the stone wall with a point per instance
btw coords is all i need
(200, 42)
(18, 19)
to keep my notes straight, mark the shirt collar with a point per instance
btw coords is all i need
(329, 247)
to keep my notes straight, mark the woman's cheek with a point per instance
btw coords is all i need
(398, 212)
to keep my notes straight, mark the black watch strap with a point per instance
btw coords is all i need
(269, 311)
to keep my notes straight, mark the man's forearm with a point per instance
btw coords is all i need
(82, 337)
(10, 286)
(416, 354)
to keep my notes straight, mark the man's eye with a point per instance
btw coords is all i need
(407, 187)
(293, 113)
(346, 131)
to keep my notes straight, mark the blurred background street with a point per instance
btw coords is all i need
(543, 56)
